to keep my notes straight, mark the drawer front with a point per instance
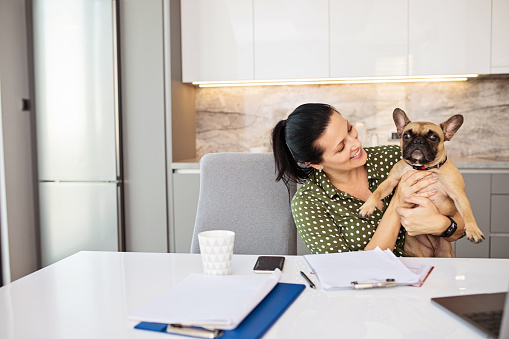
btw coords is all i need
(500, 183)
(499, 247)
(500, 213)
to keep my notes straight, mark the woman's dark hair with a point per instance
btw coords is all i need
(294, 141)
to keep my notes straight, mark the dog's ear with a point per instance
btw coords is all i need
(451, 126)
(400, 119)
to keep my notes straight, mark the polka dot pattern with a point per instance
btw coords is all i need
(327, 218)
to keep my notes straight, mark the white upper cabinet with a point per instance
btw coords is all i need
(217, 40)
(368, 38)
(500, 37)
(449, 37)
(297, 39)
(291, 39)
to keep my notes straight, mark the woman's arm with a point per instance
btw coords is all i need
(388, 229)
(425, 219)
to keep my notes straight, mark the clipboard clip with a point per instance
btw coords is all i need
(193, 331)
(386, 283)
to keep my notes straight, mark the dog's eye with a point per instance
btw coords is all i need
(406, 136)
(433, 137)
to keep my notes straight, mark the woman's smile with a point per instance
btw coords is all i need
(357, 155)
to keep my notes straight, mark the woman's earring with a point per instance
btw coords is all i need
(321, 168)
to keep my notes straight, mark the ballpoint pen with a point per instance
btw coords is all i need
(308, 280)
(194, 331)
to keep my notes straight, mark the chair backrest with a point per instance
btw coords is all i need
(238, 192)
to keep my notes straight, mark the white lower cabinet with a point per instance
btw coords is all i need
(186, 191)
(489, 197)
(488, 194)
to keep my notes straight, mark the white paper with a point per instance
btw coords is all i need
(210, 301)
(420, 269)
(338, 270)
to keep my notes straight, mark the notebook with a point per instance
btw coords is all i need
(489, 312)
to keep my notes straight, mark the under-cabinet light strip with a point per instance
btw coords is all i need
(329, 81)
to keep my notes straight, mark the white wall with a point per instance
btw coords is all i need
(17, 185)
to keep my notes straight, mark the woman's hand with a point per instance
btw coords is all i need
(423, 218)
(411, 184)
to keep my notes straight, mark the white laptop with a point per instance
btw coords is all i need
(489, 312)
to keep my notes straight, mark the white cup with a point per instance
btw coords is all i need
(216, 248)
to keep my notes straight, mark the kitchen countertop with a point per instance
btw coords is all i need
(461, 163)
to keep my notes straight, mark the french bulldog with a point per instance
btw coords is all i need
(422, 145)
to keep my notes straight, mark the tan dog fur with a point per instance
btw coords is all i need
(450, 196)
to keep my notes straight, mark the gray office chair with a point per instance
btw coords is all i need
(238, 192)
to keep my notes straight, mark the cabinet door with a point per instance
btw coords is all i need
(291, 39)
(500, 183)
(499, 247)
(186, 191)
(74, 83)
(449, 37)
(77, 216)
(500, 37)
(500, 213)
(217, 40)
(478, 189)
(368, 38)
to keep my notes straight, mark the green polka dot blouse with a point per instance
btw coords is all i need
(327, 218)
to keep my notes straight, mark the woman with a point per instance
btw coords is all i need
(316, 146)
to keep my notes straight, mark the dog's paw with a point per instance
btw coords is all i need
(366, 210)
(474, 234)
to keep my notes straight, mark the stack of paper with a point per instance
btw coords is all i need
(210, 301)
(339, 270)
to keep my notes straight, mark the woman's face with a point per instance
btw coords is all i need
(342, 151)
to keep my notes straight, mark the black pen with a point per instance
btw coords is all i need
(308, 280)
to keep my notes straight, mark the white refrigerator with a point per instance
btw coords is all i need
(77, 126)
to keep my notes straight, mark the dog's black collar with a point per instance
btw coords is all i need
(422, 168)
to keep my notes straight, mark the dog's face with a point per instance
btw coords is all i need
(422, 143)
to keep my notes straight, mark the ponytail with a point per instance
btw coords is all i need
(287, 168)
(294, 141)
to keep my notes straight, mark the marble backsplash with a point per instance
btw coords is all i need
(240, 119)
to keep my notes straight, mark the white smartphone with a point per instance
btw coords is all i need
(267, 264)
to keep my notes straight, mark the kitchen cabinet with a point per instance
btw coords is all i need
(499, 246)
(488, 194)
(291, 39)
(368, 38)
(489, 197)
(217, 40)
(449, 37)
(478, 190)
(500, 37)
(158, 119)
(186, 191)
(263, 39)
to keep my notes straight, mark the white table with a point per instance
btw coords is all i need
(89, 295)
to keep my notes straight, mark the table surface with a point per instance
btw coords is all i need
(89, 295)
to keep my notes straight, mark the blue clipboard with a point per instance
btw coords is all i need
(259, 321)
